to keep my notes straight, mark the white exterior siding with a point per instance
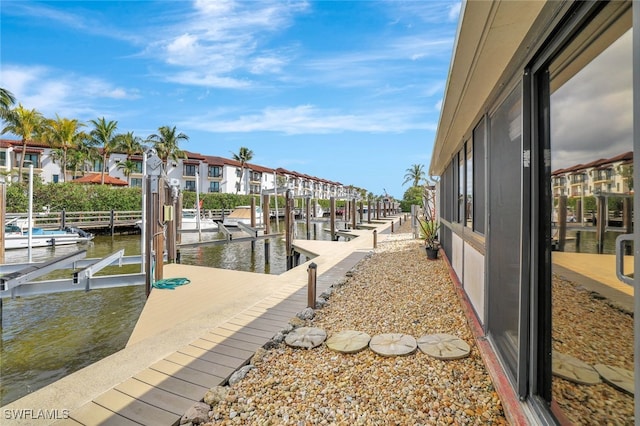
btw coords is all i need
(457, 256)
(474, 284)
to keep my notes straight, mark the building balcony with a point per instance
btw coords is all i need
(602, 180)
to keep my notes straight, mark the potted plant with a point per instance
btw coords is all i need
(429, 225)
(429, 233)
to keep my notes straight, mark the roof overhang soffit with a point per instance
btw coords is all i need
(489, 35)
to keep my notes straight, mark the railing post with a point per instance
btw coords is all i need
(311, 285)
(375, 238)
(112, 222)
(392, 226)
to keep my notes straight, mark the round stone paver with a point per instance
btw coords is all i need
(348, 341)
(617, 377)
(306, 337)
(443, 346)
(574, 370)
(393, 344)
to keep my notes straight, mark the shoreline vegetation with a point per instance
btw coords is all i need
(75, 197)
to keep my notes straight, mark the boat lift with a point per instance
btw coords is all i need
(18, 279)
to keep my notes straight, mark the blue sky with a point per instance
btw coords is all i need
(348, 91)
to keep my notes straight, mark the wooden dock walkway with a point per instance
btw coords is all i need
(192, 338)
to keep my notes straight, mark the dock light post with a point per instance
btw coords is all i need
(153, 250)
(143, 225)
(307, 213)
(30, 215)
(312, 271)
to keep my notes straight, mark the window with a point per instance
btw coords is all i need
(214, 172)
(238, 172)
(581, 77)
(504, 240)
(136, 183)
(478, 152)
(214, 186)
(137, 166)
(190, 185)
(3, 158)
(461, 186)
(469, 185)
(97, 165)
(34, 158)
(190, 169)
(451, 202)
(55, 178)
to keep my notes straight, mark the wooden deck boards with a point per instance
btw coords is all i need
(161, 393)
(171, 384)
(133, 409)
(187, 374)
(94, 414)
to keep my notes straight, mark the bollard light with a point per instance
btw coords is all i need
(311, 285)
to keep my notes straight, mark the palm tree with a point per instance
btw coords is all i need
(84, 152)
(63, 135)
(104, 135)
(243, 156)
(130, 144)
(25, 123)
(128, 167)
(415, 173)
(6, 102)
(166, 143)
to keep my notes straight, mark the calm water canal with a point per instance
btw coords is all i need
(45, 338)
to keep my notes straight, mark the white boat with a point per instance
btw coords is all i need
(17, 238)
(242, 214)
(190, 220)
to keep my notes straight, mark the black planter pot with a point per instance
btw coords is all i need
(432, 253)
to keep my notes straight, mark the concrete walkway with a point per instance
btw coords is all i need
(597, 273)
(190, 339)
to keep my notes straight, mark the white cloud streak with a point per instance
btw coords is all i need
(53, 92)
(308, 119)
(222, 39)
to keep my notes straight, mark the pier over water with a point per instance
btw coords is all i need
(194, 337)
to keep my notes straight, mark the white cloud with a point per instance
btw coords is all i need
(454, 11)
(592, 113)
(93, 24)
(182, 47)
(221, 38)
(307, 119)
(193, 78)
(52, 92)
(266, 65)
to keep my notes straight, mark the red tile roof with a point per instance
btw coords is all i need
(96, 178)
